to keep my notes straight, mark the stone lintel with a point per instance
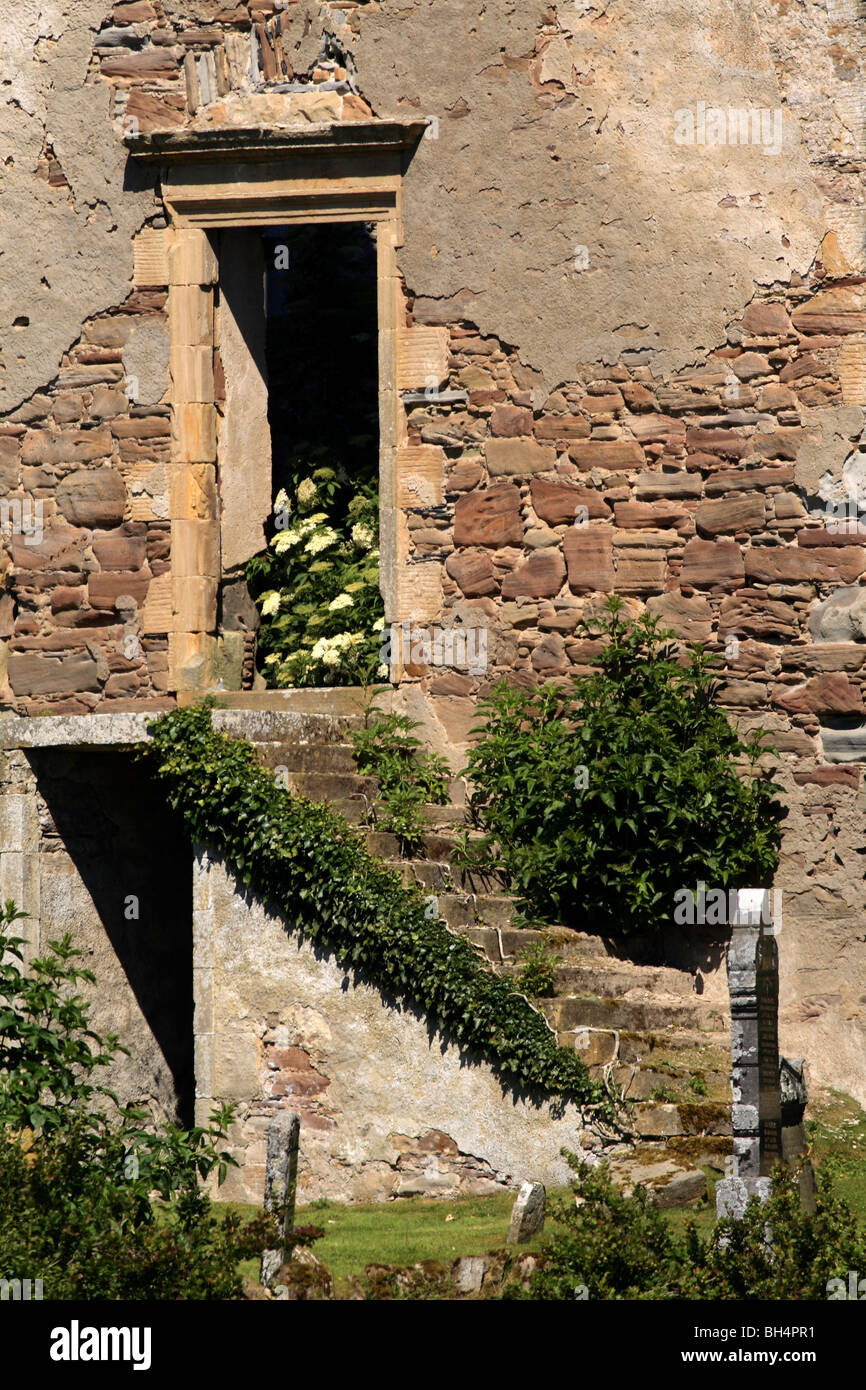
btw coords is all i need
(272, 142)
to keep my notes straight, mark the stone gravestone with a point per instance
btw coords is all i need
(281, 1182)
(527, 1214)
(769, 1103)
(753, 980)
(793, 1097)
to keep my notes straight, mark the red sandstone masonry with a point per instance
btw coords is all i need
(676, 508)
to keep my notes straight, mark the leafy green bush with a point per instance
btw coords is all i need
(622, 1247)
(599, 802)
(410, 777)
(310, 864)
(318, 585)
(78, 1172)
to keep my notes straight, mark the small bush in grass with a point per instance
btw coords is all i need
(622, 1247)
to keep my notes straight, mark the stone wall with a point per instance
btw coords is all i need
(387, 1109)
(662, 342)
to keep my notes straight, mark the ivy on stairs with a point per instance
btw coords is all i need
(306, 861)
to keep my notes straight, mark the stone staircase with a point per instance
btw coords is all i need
(663, 1047)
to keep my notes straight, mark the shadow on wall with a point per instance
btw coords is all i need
(116, 871)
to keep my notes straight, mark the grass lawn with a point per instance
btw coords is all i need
(837, 1132)
(412, 1229)
(402, 1232)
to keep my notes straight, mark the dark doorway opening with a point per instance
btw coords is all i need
(117, 873)
(322, 349)
(318, 583)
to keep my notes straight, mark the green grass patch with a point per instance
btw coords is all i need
(412, 1229)
(402, 1232)
(837, 1133)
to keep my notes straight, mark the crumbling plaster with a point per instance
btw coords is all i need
(555, 131)
(677, 236)
(65, 253)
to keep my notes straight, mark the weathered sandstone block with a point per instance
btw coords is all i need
(589, 557)
(615, 453)
(473, 571)
(93, 497)
(560, 503)
(790, 564)
(541, 576)
(658, 484)
(519, 457)
(831, 693)
(729, 515)
(66, 446)
(491, 517)
(708, 564)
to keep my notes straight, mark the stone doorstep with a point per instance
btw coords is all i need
(333, 700)
(125, 730)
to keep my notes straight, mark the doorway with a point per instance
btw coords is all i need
(316, 582)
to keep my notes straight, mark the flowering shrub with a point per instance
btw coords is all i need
(318, 585)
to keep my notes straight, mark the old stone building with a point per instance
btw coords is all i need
(620, 298)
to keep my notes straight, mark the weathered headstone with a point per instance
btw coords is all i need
(469, 1274)
(281, 1181)
(527, 1215)
(793, 1097)
(753, 981)
(769, 1106)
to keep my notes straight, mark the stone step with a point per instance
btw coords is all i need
(668, 1183)
(332, 700)
(332, 786)
(572, 946)
(285, 726)
(636, 1082)
(475, 910)
(612, 979)
(425, 873)
(643, 1012)
(353, 808)
(653, 1120)
(438, 817)
(474, 882)
(435, 846)
(309, 757)
(694, 1048)
(679, 1053)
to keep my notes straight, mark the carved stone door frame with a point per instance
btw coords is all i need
(231, 177)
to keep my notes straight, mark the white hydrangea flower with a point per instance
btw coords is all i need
(286, 540)
(270, 603)
(341, 601)
(307, 493)
(382, 671)
(320, 541)
(379, 625)
(362, 535)
(281, 501)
